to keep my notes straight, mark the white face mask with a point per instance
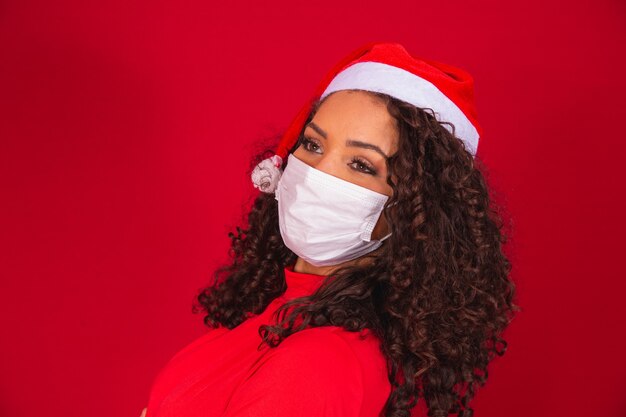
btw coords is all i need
(323, 219)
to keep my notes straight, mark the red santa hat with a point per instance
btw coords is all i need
(388, 68)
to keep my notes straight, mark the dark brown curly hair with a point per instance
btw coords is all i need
(437, 294)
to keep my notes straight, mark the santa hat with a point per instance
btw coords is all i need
(388, 68)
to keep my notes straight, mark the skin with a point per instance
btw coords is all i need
(348, 115)
(344, 116)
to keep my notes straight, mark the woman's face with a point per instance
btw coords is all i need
(350, 137)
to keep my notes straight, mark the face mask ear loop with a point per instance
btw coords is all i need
(388, 234)
(385, 237)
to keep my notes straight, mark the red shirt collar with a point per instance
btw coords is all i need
(300, 284)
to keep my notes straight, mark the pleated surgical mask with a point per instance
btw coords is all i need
(323, 219)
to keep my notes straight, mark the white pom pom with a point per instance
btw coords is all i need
(266, 174)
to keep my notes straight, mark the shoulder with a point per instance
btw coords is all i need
(318, 356)
(311, 373)
(357, 350)
(321, 343)
(359, 353)
(331, 358)
(315, 372)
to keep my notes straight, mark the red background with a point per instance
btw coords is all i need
(125, 134)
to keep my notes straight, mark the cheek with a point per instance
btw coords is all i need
(380, 187)
(376, 183)
(302, 155)
(298, 152)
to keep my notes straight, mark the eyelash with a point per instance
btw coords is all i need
(368, 169)
(306, 141)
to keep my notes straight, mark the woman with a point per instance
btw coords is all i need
(371, 273)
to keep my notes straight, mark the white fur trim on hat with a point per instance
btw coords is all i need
(408, 87)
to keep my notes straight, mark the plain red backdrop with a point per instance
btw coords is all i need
(126, 130)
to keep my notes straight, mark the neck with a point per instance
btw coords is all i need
(304, 267)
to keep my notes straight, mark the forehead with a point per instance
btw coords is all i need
(357, 115)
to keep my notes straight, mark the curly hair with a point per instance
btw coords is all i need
(437, 295)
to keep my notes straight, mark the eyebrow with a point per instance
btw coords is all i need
(349, 142)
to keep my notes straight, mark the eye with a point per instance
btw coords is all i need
(362, 166)
(310, 145)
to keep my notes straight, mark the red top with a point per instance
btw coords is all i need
(320, 371)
